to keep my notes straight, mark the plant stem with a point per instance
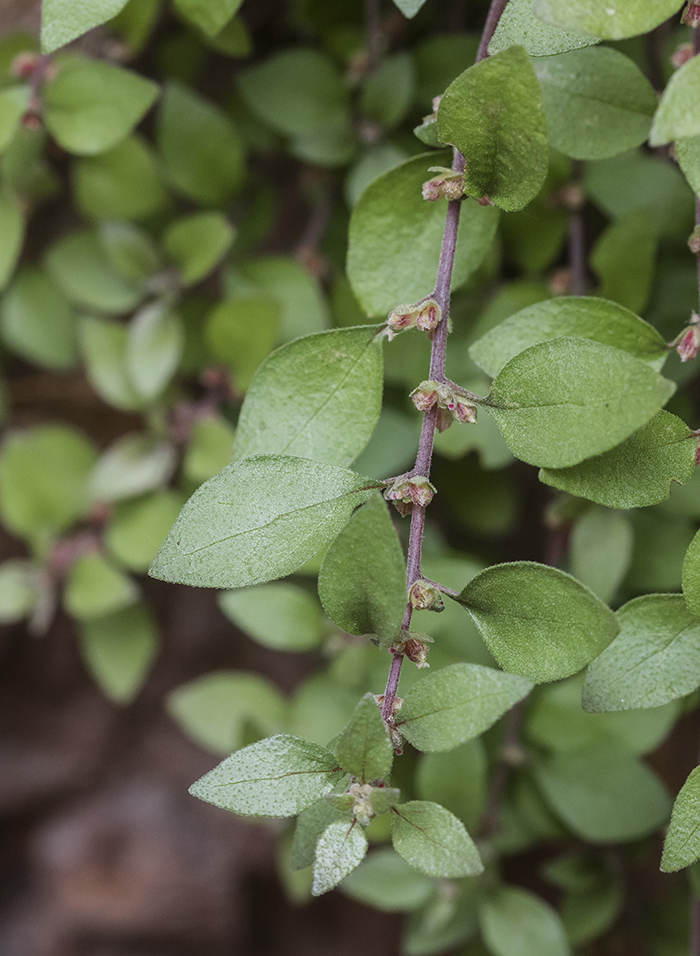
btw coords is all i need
(438, 352)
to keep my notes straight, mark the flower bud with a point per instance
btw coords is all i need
(425, 396)
(429, 316)
(416, 651)
(448, 184)
(688, 343)
(25, 65)
(407, 492)
(691, 15)
(444, 420)
(464, 412)
(425, 596)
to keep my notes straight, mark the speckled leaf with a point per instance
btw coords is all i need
(678, 115)
(362, 582)
(311, 823)
(598, 103)
(341, 847)
(589, 318)
(409, 8)
(317, 397)
(654, 659)
(259, 519)
(456, 704)
(538, 621)
(515, 922)
(65, 20)
(276, 777)
(637, 472)
(433, 840)
(568, 399)
(363, 748)
(395, 236)
(691, 576)
(682, 846)
(519, 26)
(606, 19)
(494, 114)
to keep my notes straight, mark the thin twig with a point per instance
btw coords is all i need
(441, 294)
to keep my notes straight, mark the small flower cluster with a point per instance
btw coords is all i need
(424, 596)
(687, 344)
(452, 406)
(414, 646)
(407, 492)
(424, 315)
(448, 184)
(691, 16)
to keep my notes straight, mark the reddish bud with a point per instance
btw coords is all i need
(425, 396)
(465, 413)
(447, 185)
(691, 15)
(444, 420)
(682, 55)
(425, 596)
(407, 492)
(25, 65)
(429, 316)
(689, 343)
(31, 121)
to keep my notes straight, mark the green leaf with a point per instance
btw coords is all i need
(20, 583)
(134, 464)
(603, 794)
(598, 18)
(601, 551)
(443, 923)
(588, 318)
(515, 922)
(363, 748)
(217, 709)
(341, 847)
(37, 321)
(201, 149)
(637, 472)
(12, 227)
(297, 93)
(688, 156)
(259, 519)
(624, 258)
(457, 780)
(13, 105)
(91, 106)
(242, 332)
(654, 659)
(282, 616)
(597, 101)
(79, 265)
(433, 840)
(318, 397)
(311, 823)
(570, 398)
(538, 621)
(119, 650)
(388, 92)
(43, 480)
(677, 116)
(395, 236)
(276, 777)
(197, 243)
(64, 20)
(362, 582)
(209, 15)
(121, 183)
(494, 114)
(136, 529)
(129, 250)
(104, 345)
(409, 8)
(518, 26)
(387, 883)
(209, 449)
(691, 576)
(376, 159)
(95, 587)
(682, 844)
(456, 704)
(155, 342)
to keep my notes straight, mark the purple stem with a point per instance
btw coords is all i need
(441, 294)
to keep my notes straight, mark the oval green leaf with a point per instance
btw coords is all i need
(682, 845)
(433, 840)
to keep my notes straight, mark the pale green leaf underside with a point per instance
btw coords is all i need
(341, 847)
(409, 8)
(678, 115)
(636, 473)
(494, 114)
(538, 621)
(433, 840)
(276, 777)
(259, 519)
(519, 26)
(317, 397)
(654, 659)
(598, 103)
(362, 582)
(587, 318)
(65, 20)
(682, 846)
(311, 823)
(456, 704)
(395, 236)
(609, 19)
(569, 398)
